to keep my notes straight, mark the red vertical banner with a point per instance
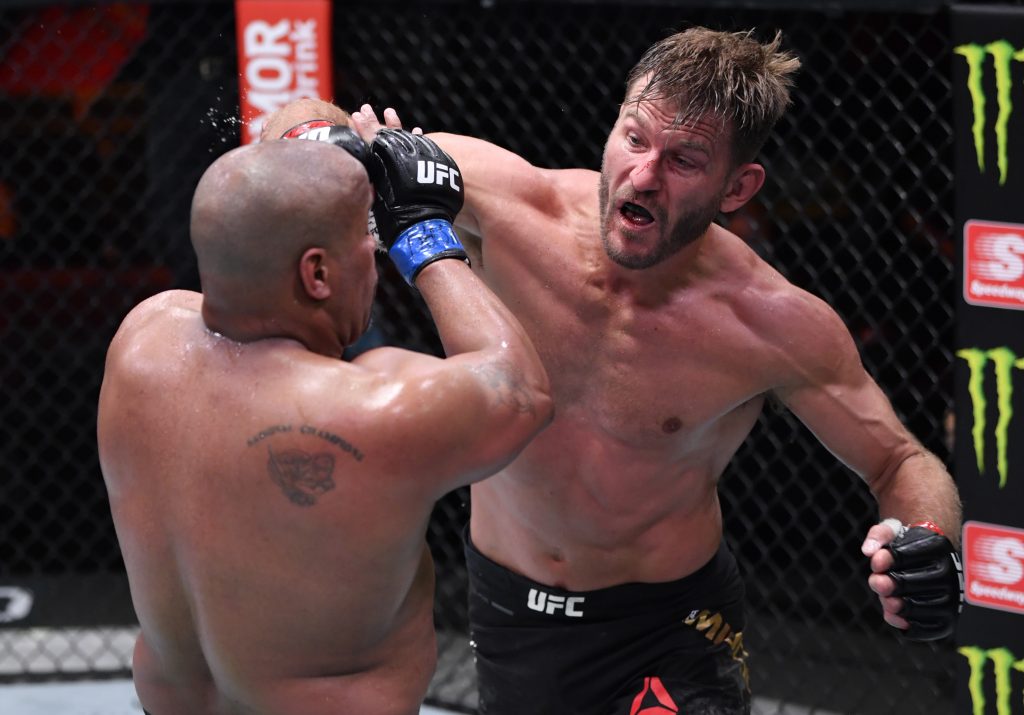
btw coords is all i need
(284, 53)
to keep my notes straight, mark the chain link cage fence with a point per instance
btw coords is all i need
(109, 113)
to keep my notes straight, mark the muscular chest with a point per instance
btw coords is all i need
(643, 376)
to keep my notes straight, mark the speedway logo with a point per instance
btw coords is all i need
(994, 566)
(1004, 365)
(994, 264)
(993, 671)
(1002, 55)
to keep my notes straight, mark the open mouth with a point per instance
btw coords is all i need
(636, 215)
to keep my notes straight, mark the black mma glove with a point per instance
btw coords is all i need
(325, 131)
(929, 578)
(418, 195)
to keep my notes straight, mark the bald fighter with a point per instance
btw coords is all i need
(271, 501)
(600, 583)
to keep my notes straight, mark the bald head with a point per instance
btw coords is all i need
(258, 207)
(299, 111)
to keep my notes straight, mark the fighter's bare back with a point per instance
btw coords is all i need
(262, 651)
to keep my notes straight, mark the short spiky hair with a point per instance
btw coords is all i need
(727, 74)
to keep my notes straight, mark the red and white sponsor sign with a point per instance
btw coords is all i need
(284, 53)
(994, 566)
(994, 264)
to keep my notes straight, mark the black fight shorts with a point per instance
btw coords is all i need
(634, 649)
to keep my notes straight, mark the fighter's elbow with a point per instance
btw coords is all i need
(545, 406)
(534, 402)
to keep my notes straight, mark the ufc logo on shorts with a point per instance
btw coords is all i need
(432, 172)
(546, 603)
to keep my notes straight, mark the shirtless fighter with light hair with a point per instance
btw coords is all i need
(271, 500)
(596, 558)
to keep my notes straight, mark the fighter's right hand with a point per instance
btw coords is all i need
(418, 194)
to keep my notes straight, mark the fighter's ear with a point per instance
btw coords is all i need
(313, 273)
(745, 181)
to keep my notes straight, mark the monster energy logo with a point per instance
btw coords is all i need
(1003, 54)
(1003, 360)
(1003, 665)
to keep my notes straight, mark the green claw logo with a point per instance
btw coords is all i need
(1004, 360)
(1004, 663)
(1003, 54)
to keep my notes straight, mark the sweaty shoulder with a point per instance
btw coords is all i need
(800, 334)
(156, 311)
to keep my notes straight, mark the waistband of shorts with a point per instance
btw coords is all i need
(716, 584)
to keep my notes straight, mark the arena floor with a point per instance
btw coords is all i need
(89, 652)
(117, 697)
(109, 697)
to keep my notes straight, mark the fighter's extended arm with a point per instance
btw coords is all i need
(469, 414)
(835, 397)
(495, 178)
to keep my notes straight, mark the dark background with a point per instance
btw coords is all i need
(106, 126)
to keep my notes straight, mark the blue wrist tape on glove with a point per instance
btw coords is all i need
(424, 243)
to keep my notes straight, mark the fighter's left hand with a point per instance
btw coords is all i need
(367, 124)
(917, 575)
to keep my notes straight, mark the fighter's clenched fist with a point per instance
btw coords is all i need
(418, 195)
(919, 579)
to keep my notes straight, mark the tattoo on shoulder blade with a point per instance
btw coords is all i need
(343, 445)
(269, 431)
(303, 477)
(505, 380)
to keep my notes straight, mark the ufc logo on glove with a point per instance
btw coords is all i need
(432, 172)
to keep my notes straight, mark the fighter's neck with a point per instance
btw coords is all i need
(254, 328)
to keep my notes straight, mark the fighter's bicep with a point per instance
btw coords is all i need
(496, 181)
(486, 412)
(829, 390)
(459, 419)
(851, 416)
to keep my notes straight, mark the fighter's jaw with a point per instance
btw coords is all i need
(627, 247)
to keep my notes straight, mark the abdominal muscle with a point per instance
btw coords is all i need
(579, 511)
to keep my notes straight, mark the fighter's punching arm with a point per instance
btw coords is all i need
(912, 551)
(497, 181)
(464, 417)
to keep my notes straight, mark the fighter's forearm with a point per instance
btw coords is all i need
(920, 489)
(470, 318)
